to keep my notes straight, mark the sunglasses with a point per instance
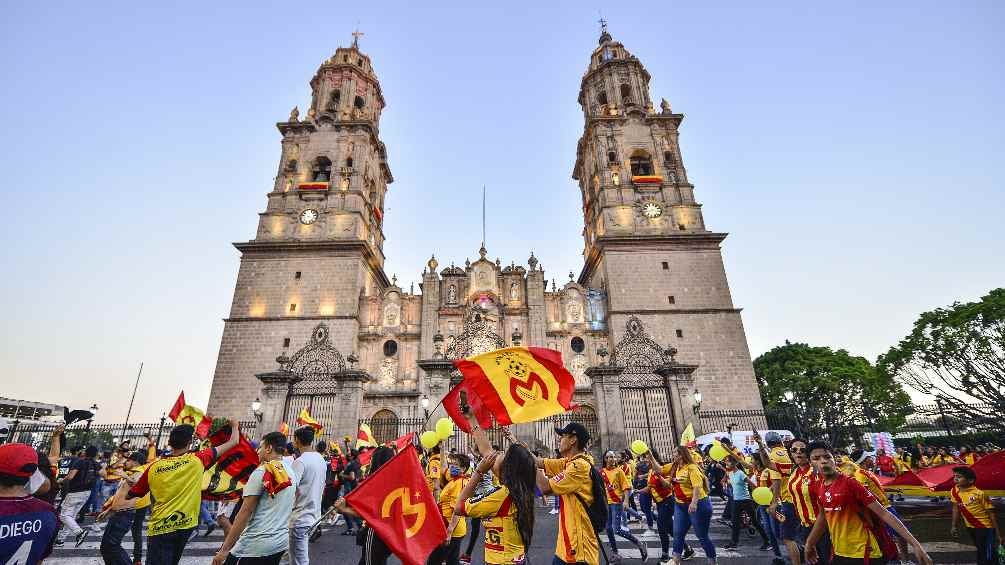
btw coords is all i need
(797, 449)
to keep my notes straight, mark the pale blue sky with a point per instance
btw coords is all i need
(853, 151)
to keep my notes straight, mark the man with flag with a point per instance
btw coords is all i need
(175, 482)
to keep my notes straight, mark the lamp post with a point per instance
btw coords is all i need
(696, 407)
(87, 430)
(256, 409)
(160, 429)
(424, 403)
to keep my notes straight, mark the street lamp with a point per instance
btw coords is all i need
(87, 430)
(160, 429)
(256, 409)
(697, 402)
(424, 402)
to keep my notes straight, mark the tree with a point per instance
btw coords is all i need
(833, 392)
(957, 355)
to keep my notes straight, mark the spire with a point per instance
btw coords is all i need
(604, 36)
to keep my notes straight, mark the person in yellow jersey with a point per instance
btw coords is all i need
(967, 455)
(618, 491)
(902, 461)
(569, 479)
(782, 510)
(978, 515)
(628, 465)
(848, 511)
(691, 504)
(762, 476)
(660, 488)
(175, 481)
(457, 477)
(434, 468)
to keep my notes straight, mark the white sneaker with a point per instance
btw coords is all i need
(553, 512)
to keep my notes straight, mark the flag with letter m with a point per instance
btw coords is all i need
(396, 502)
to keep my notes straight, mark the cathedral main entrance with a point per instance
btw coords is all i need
(646, 397)
(314, 387)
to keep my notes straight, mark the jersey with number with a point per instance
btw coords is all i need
(27, 529)
(503, 543)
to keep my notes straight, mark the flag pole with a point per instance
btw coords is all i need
(131, 400)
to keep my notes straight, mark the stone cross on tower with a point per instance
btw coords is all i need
(355, 37)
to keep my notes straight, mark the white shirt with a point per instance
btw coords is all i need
(312, 470)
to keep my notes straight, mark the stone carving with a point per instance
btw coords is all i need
(532, 261)
(514, 291)
(311, 114)
(665, 106)
(597, 310)
(452, 294)
(574, 312)
(392, 314)
(578, 366)
(387, 375)
(295, 114)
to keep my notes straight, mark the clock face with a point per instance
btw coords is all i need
(308, 216)
(652, 210)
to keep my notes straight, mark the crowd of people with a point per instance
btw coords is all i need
(826, 506)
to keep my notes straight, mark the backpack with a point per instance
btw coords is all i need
(597, 510)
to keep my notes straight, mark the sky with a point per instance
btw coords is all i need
(852, 150)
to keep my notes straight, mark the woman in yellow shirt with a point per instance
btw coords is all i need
(692, 508)
(456, 472)
(618, 490)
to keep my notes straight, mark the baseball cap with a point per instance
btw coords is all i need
(772, 437)
(575, 429)
(18, 460)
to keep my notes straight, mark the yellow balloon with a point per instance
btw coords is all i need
(429, 439)
(762, 496)
(718, 452)
(639, 447)
(444, 428)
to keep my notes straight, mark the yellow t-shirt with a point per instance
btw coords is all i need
(847, 467)
(780, 457)
(685, 479)
(133, 476)
(902, 464)
(616, 483)
(176, 485)
(576, 539)
(448, 498)
(974, 505)
(503, 544)
(433, 472)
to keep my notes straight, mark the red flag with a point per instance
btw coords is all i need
(403, 441)
(452, 404)
(225, 479)
(396, 502)
(182, 413)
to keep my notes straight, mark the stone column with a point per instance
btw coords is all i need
(436, 384)
(275, 388)
(679, 380)
(610, 412)
(350, 392)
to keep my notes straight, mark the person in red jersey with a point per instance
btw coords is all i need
(851, 514)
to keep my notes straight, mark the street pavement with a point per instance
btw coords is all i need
(928, 520)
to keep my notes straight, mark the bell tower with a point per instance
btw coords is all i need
(318, 249)
(645, 240)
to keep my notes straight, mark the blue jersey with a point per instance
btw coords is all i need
(27, 529)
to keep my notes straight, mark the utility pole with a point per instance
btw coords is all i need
(131, 400)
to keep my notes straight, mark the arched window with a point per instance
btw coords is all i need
(358, 102)
(348, 162)
(390, 348)
(641, 165)
(291, 166)
(602, 98)
(333, 100)
(668, 160)
(384, 425)
(626, 93)
(322, 169)
(612, 157)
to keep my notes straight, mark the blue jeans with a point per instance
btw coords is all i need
(205, 516)
(762, 515)
(984, 540)
(111, 541)
(646, 502)
(298, 545)
(615, 515)
(682, 522)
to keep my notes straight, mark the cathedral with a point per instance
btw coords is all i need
(648, 327)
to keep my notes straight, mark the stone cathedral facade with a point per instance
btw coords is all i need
(312, 284)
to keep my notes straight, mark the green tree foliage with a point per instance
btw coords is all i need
(834, 393)
(957, 355)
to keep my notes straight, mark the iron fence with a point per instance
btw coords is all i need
(102, 436)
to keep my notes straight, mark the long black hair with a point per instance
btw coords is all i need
(381, 455)
(517, 473)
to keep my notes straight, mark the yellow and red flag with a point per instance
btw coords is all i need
(284, 429)
(275, 478)
(687, 438)
(305, 419)
(225, 479)
(364, 437)
(182, 413)
(397, 503)
(519, 384)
